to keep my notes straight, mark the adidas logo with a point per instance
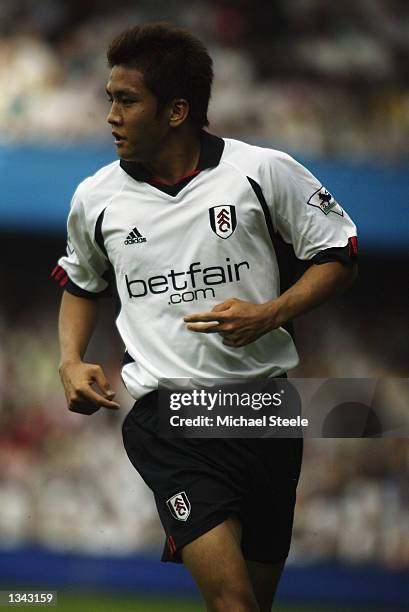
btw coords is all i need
(134, 237)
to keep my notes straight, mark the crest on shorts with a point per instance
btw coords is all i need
(323, 199)
(179, 506)
(223, 220)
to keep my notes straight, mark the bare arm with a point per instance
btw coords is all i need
(318, 284)
(85, 385)
(240, 322)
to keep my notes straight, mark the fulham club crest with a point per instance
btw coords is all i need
(179, 506)
(223, 220)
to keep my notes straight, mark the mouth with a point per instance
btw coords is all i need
(118, 139)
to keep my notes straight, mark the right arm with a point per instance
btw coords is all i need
(85, 385)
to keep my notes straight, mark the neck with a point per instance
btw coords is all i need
(177, 157)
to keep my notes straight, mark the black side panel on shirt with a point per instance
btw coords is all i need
(99, 239)
(286, 259)
(107, 276)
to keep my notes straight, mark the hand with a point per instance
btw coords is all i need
(78, 379)
(238, 322)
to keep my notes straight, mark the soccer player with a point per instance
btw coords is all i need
(194, 233)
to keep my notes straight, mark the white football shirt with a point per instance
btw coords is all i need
(223, 232)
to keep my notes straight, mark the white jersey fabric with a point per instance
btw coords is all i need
(183, 251)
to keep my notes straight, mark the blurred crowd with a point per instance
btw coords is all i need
(311, 76)
(66, 483)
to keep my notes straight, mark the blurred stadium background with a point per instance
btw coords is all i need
(326, 81)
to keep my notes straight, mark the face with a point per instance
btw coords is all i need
(138, 132)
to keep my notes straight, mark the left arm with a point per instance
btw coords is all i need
(240, 322)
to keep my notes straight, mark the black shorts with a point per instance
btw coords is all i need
(199, 482)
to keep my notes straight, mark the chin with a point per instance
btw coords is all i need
(128, 156)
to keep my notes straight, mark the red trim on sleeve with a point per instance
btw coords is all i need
(60, 276)
(353, 243)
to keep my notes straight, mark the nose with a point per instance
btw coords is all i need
(114, 116)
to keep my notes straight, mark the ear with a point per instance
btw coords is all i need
(178, 112)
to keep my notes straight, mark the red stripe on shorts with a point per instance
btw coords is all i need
(171, 545)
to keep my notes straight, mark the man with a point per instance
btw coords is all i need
(191, 231)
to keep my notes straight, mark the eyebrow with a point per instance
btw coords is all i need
(121, 92)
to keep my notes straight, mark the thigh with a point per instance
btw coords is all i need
(216, 563)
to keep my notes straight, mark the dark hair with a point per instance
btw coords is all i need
(174, 64)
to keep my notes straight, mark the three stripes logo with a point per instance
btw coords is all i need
(223, 220)
(134, 237)
(179, 506)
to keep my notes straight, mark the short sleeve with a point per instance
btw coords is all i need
(304, 212)
(85, 263)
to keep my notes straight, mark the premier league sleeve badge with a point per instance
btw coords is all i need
(323, 200)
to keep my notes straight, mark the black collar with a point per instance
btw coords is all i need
(211, 150)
